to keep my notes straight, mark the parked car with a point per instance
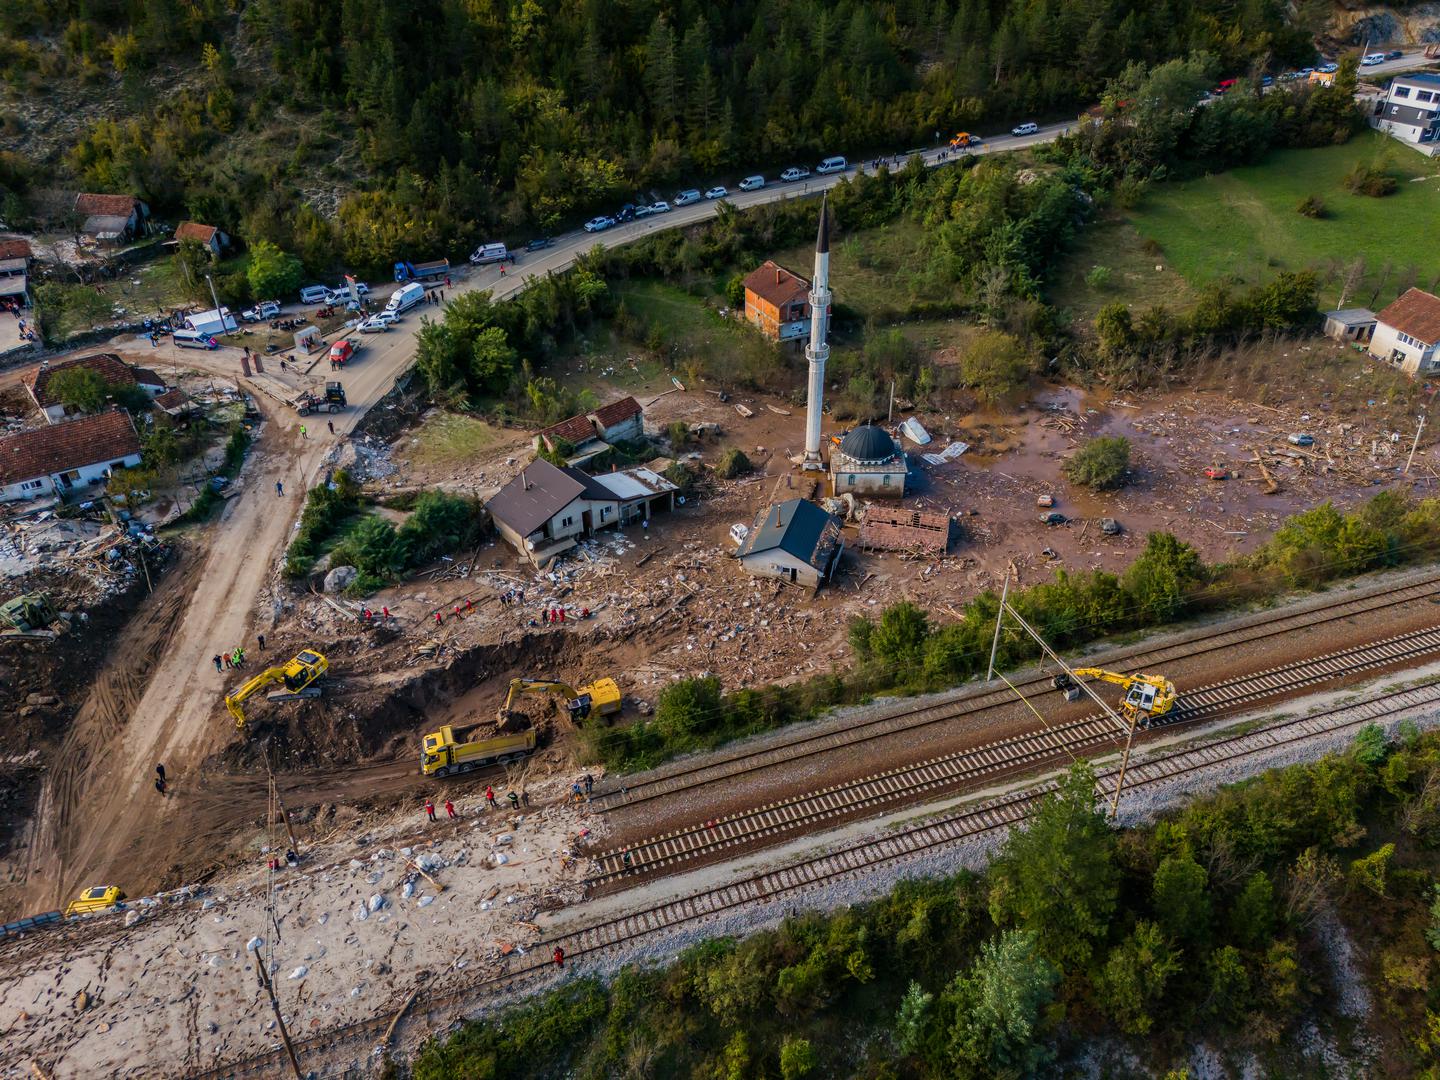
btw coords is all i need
(686, 197)
(752, 183)
(342, 352)
(193, 339)
(1028, 128)
(599, 224)
(719, 191)
(388, 317)
(1300, 438)
(1328, 68)
(644, 211)
(314, 294)
(266, 309)
(1054, 517)
(1371, 59)
(626, 212)
(1267, 81)
(489, 253)
(373, 325)
(795, 172)
(540, 243)
(1395, 54)
(832, 165)
(661, 207)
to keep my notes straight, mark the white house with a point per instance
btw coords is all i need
(38, 381)
(212, 321)
(63, 457)
(619, 421)
(1407, 333)
(795, 541)
(1410, 111)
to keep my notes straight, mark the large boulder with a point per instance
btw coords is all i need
(340, 578)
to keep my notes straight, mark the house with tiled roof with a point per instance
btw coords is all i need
(112, 218)
(777, 302)
(38, 381)
(67, 457)
(1407, 333)
(208, 235)
(588, 435)
(15, 257)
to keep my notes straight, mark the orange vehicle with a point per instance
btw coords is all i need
(964, 140)
(341, 352)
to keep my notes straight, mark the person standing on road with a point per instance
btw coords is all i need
(525, 798)
(160, 770)
(303, 433)
(589, 784)
(559, 957)
(490, 797)
(514, 800)
(261, 639)
(216, 658)
(430, 809)
(160, 785)
(332, 426)
(449, 809)
(226, 658)
(279, 488)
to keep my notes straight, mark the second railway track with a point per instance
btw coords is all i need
(810, 742)
(721, 836)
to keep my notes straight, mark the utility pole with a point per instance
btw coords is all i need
(890, 417)
(1419, 427)
(280, 1020)
(275, 792)
(211, 280)
(995, 642)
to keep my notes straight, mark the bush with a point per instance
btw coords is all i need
(733, 463)
(1098, 277)
(995, 365)
(1101, 463)
(1374, 180)
(325, 508)
(1312, 206)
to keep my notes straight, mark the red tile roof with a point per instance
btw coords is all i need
(73, 444)
(575, 431)
(193, 230)
(15, 247)
(172, 399)
(776, 285)
(111, 368)
(1416, 313)
(105, 205)
(617, 412)
(886, 529)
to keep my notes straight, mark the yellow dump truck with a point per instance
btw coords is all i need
(97, 898)
(443, 754)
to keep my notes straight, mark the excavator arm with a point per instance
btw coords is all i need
(295, 677)
(573, 701)
(1147, 695)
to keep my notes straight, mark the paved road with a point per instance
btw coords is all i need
(174, 720)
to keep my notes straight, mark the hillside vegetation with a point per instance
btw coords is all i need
(457, 118)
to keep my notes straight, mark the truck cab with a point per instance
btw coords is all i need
(96, 898)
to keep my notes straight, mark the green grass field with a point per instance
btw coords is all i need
(1242, 227)
(452, 439)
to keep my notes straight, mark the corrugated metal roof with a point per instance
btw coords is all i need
(638, 483)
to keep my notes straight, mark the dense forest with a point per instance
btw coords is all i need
(438, 121)
(1223, 931)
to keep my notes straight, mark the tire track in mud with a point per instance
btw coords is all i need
(98, 726)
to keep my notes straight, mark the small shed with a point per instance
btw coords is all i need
(1355, 324)
(308, 339)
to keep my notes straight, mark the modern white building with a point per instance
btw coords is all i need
(1410, 111)
(1407, 333)
(61, 458)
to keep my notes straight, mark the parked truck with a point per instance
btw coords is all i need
(425, 271)
(446, 752)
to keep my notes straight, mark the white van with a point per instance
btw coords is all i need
(194, 339)
(406, 297)
(686, 197)
(832, 164)
(489, 253)
(314, 294)
(1371, 59)
(752, 183)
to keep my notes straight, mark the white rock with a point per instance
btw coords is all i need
(425, 901)
(503, 839)
(299, 973)
(324, 918)
(374, 878)
(407, 852)
(215, 961)
(254, 943)
(409, 890)
(499, 858)
(511, 899)
(355, 991)
(361, 913)
(428, 861)
(206, 905)
(356, 864)
(377, 902)
(485, 905)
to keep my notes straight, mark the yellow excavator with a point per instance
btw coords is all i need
(297, 677)
(1146, 696)
(601, 697)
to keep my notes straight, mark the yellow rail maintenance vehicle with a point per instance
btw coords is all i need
(1146, 696)
(297, 677)
(443, 754)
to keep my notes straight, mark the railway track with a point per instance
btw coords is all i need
(806, 744)
(770, 886)
(1001, 758)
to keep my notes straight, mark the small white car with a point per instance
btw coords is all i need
(387, 318)
(644, 211)
(266, 309)
(794, 173)
(752, 183)
(685, 198)
(1025, 129)
(374, 324)
(599, 224)
(717, 192)
(661, 207)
